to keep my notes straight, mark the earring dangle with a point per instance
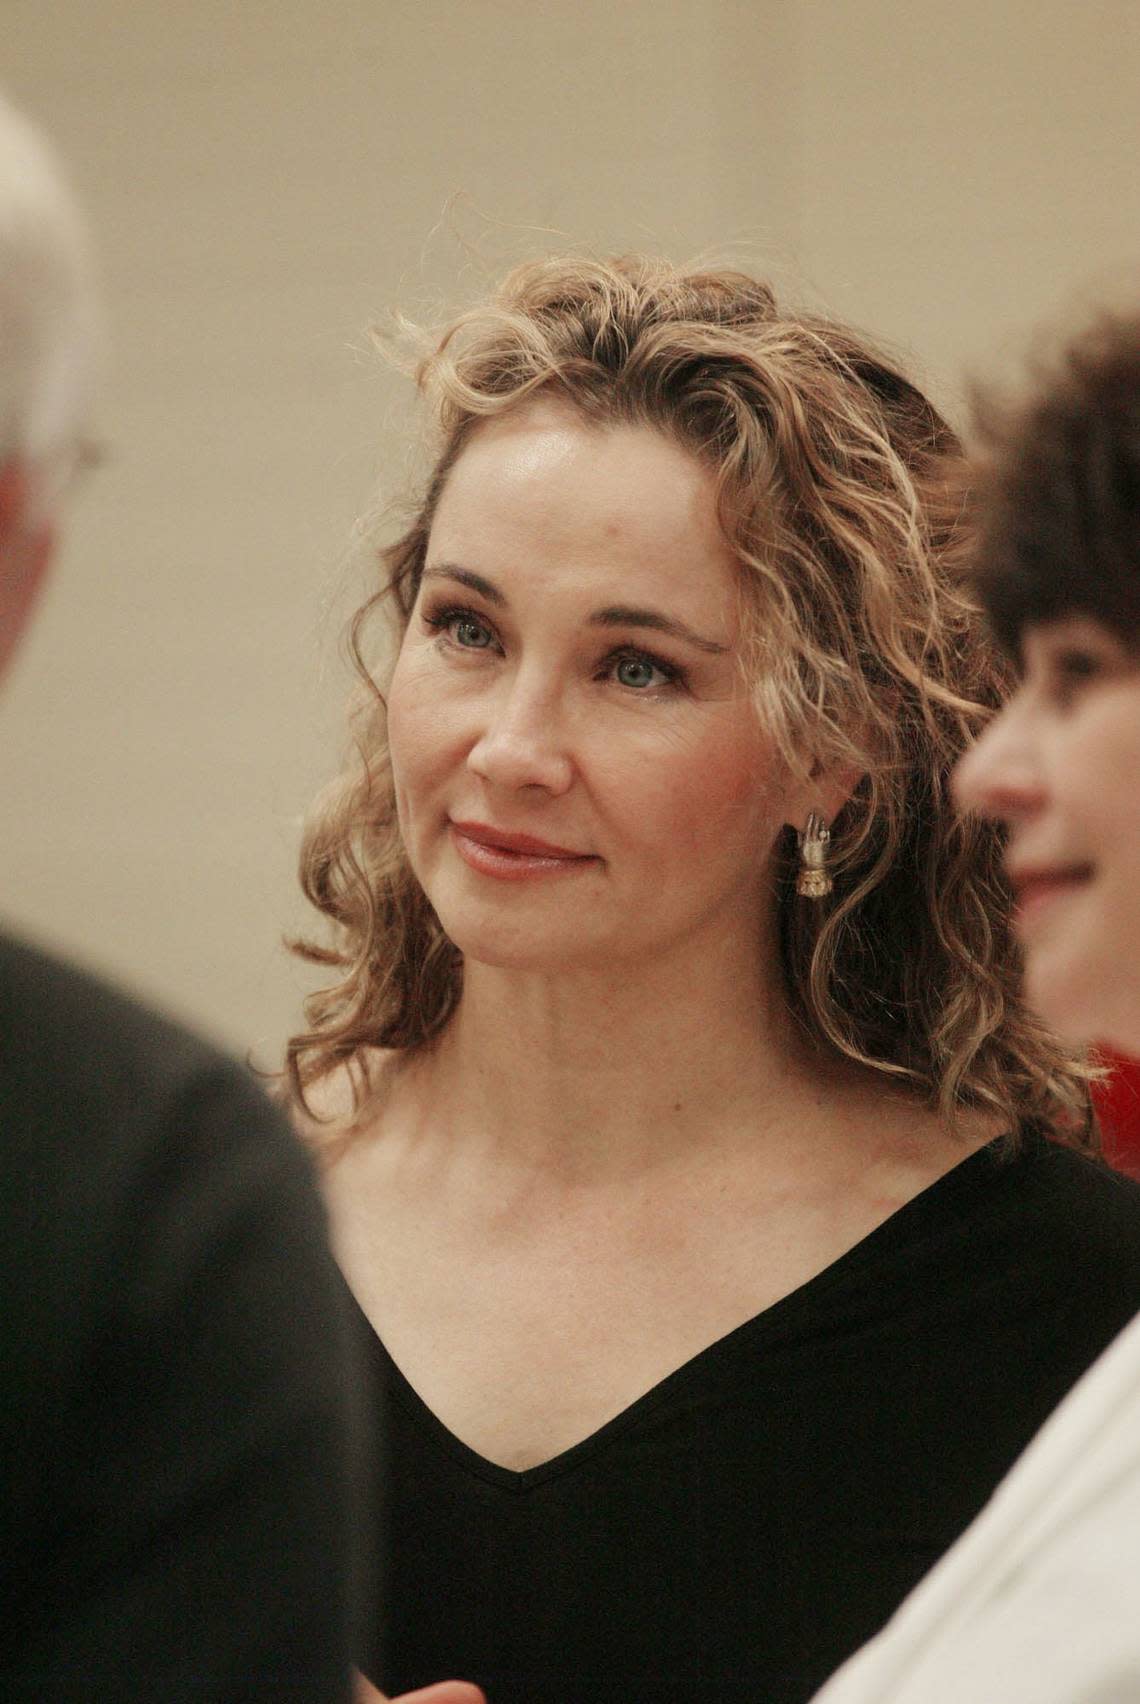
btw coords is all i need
(813, 881)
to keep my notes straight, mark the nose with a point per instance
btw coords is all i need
(521, 743)
(1000, 776)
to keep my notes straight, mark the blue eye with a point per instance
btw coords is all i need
(636, 672)
(462, 627)
(640, 672)
(468, 632)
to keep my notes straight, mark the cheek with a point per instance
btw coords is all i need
(413, 744)
(710, 796)
(417, 720)
(1093, 778)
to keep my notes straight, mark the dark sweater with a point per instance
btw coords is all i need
(174, 1405)
(738, 1531)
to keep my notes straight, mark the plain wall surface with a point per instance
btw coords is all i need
(266, 179)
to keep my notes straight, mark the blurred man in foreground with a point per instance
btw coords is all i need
(175, 1402)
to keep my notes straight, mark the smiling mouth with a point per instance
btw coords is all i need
(1036, 890)
(513, 857)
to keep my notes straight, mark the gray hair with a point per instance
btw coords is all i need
(49, 337)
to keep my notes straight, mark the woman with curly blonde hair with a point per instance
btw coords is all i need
(716, 1212)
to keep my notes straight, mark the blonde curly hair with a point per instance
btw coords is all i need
(839, 488)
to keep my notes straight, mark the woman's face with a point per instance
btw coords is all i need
(580, 776)
(1061, 766)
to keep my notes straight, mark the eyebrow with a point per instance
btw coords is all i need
(625, 615)
(452, 571)
(614, 615)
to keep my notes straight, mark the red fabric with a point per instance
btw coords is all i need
(1118, 1103)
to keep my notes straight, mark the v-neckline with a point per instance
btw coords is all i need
(905, 1220)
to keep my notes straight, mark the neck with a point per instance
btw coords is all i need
(587, 1073)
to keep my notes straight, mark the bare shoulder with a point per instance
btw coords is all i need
(915, 1145)
(899, 1142)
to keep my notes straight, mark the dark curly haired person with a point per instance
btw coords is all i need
(1039, 1602)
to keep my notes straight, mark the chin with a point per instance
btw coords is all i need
(1070, 994)
(488, 942)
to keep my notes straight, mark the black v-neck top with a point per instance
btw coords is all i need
(739, 1530)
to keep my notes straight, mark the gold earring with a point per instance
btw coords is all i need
(813, 880)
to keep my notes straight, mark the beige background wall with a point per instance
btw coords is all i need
(268, 176)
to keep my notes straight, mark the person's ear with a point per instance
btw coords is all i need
(27, 543)
(824, 792)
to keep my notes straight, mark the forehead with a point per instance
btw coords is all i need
(541, 493)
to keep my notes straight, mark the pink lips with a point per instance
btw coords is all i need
(1037, 888)
(513, 857)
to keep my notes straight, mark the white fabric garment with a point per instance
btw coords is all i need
(1039, 1600)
